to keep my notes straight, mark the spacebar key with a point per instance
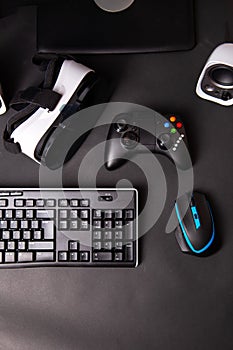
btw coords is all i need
(40, 245)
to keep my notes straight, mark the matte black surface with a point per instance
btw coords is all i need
(172, 300)
(146, 26)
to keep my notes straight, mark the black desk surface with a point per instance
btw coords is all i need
(171, 301)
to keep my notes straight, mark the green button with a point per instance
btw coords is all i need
(173, 131)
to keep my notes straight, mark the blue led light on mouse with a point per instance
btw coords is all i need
(195, 214)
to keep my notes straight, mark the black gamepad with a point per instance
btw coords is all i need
(136, 132)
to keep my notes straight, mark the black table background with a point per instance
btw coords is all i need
(171, 301)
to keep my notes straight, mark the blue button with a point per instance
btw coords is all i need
(167, 125)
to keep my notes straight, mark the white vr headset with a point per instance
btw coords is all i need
(40, 110)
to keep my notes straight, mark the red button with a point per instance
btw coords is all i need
(179, 125)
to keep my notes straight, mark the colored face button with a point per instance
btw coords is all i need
(172, 118)
(173, 131)
(179, 125)
(166, 125)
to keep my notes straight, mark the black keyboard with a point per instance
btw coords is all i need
(68, 227)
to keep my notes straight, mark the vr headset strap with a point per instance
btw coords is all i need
(28, 101)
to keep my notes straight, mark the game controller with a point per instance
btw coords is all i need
(132, 133)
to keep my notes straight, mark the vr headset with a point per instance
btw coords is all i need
(40, 112)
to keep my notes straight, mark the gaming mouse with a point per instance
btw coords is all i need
(195, 233)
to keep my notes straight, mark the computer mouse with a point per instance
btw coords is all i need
(196, 232)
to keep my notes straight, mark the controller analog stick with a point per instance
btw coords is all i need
(129, 140)
(121, 125)
(164, 141)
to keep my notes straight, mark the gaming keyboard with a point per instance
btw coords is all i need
(68, 227)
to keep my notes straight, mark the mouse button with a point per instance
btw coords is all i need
(181, 241)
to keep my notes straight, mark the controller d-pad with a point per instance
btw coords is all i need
(164, 141)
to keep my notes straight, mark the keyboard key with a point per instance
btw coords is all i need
(2, 245)
(3, 202)
(29, 214)
(25, 257)
(19, 202)
(84, 225)
(128, 251)
(118, 214)
(107, 245)
(62, 256)
(1, 257)
(1, 214)
(63, 214)
(3, 224)
(102, 256)
(37, 235)
(118, 224)
(97, 245)
(63, 203)
(84, 256)
(41, 245)
(107, 235)
(29, 203)
(108, 214)
(9, 257)
(118, 256)
(129, 230)
(44, 256)
(63, 225)
(118, 245)
(26, 234)
(84, 203)
(97, 224)
(40, 203)
(24, 224)
(13, 224)
(19, 214)
(118, 234)
(84, 214)
(74, 214)
(11, 245)
(5, 234)
(97, 235)
(74, 203)
(73, 245)
(34, 225)
(49, 231)
(73, 224)
(45, 214)
(4, 194)
(73, 256)
(129, 214)
(21, 245)
(97, 214)
(107, 224)
(16, 193)
(16, 235)
(50, 203)
(8, 214)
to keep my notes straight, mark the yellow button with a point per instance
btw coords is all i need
(173, 119)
